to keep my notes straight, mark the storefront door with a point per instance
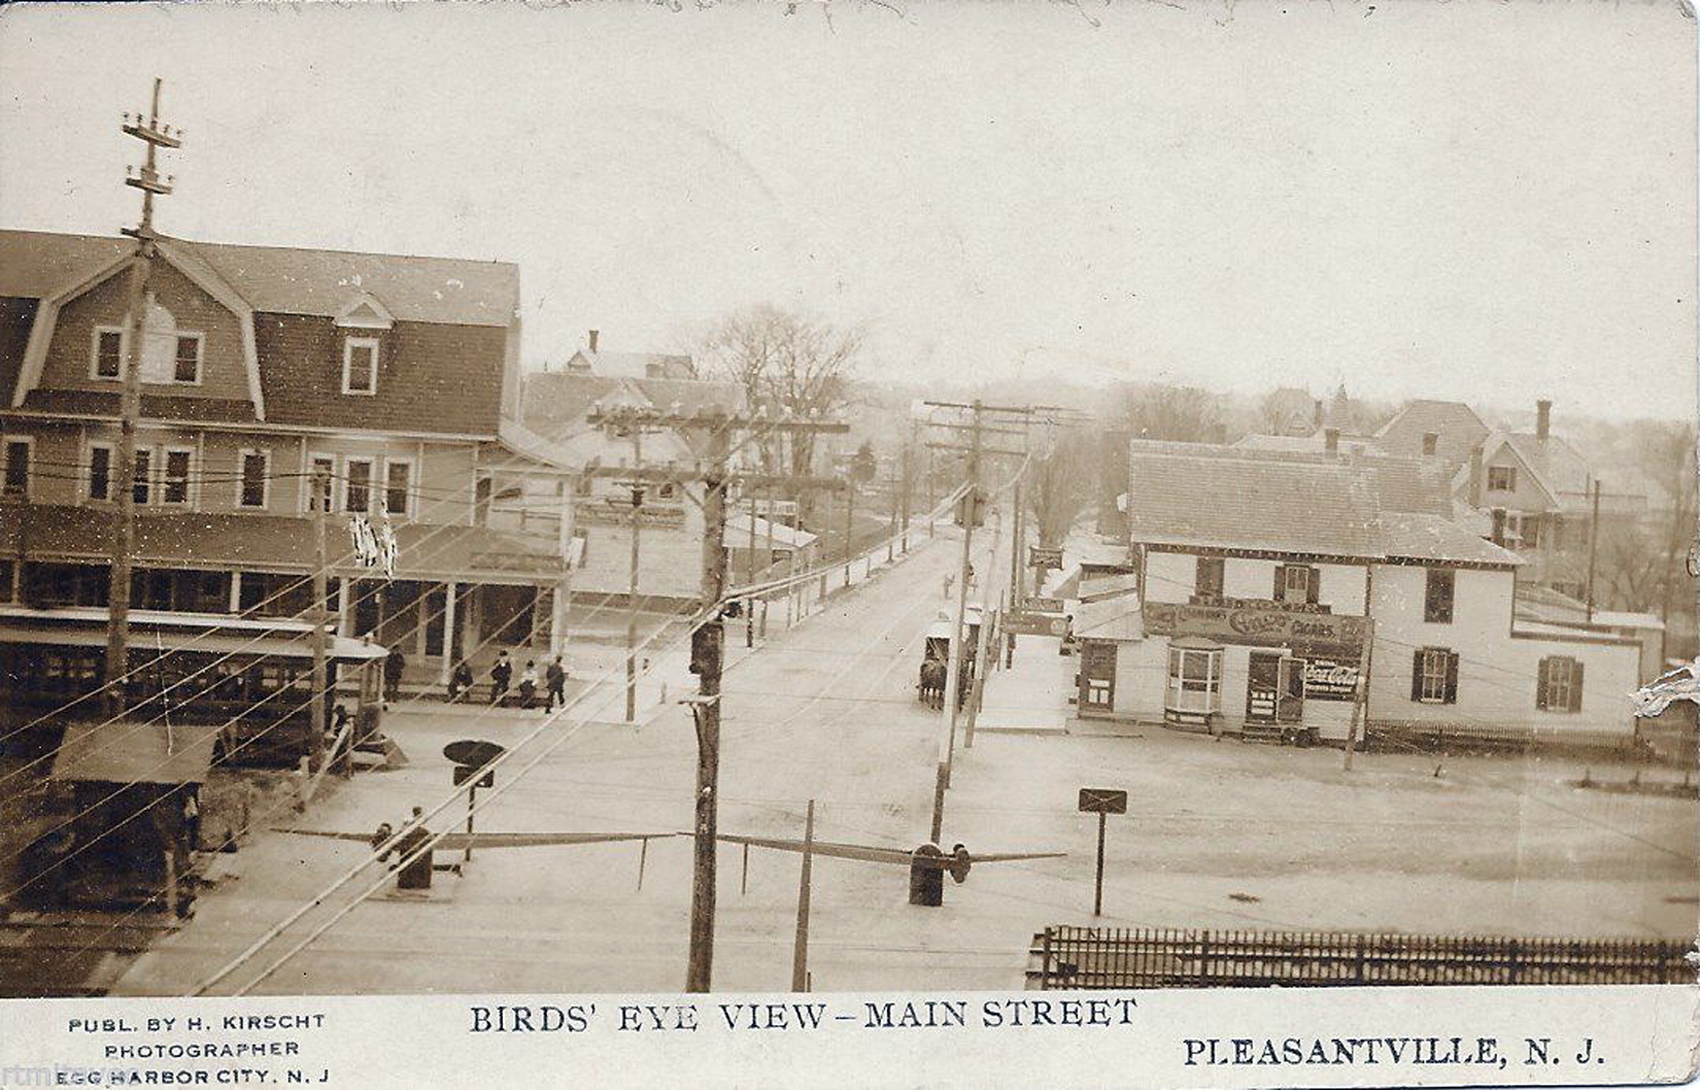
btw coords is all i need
(1290, 704)
(1263, 687)
(1097, 675)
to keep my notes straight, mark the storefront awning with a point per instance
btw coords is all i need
(126, 752)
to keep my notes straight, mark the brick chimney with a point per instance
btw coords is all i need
(1543, 419)
(593, 340)
(1318, 415)
(1331, 440)
(1475, 492)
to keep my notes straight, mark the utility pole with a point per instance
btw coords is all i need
(1360, 699)
(891, 524)
(321, 484)
(1593, 547)
(708, 640)
(908, 485)
(849, 530)
(155, 135)
(632, 585)
(793, 549)
(953, 678)
(800, 948)
(750, 570)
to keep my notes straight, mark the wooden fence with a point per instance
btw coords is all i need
(1083, 957)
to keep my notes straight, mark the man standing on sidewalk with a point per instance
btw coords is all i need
(556, 676)
(394, 664)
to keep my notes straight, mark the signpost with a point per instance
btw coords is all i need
(470, 757)
(1101, 801)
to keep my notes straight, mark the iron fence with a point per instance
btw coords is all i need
(1083, 957)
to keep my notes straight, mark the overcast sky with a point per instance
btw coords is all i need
(1464, 200)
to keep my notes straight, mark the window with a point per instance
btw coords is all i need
(100, 471)
(1502, 479)
(1208, 581)
(1430, 442)
(358, 494)
(8, 572)
(1296, 584)
(398, 484)
(1437, 596)
(174, 482)
(360, 365)
(320, 465)
(667, 491)
(1434, 676)
(17, 480)
(187, 367)
(1559, 688)
(108, 361)
(1195, 680)
(255, 466)
(141, 489)
(1530, 531)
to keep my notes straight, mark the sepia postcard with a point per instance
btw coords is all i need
(849, 543)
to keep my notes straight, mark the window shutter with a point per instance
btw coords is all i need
(1451, 677)
(1541, 683)
(1417, 675)
(1575, 686)
(1313, 584)
(1280, 582)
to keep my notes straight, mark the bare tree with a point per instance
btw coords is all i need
(1061, 486)
(1181, 413)
(788, 363)
(1667, 455)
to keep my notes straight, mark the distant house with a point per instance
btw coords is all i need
(591, 360)
(557, 405)
(1291, 411)
(1448, 430)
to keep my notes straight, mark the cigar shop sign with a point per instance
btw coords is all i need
(1253, 626)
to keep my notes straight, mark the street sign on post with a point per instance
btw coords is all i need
(1026, 622)
(1102, 801)
(1038, 557)
(470, 757)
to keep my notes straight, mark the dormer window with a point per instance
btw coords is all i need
(108, 361)
(360, 365)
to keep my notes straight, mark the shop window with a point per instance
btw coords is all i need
(1559, 688)
(1434, 676)
(1207, 583)
(1437, 596)
(1502, 478)
(1195, 680)
(1297, 584)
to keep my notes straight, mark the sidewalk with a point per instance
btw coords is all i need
(1031, 697)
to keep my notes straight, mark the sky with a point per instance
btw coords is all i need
(1478, 201)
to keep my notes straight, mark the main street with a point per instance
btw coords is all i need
(826, 710)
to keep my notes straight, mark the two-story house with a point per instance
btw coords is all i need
(260, 366)
(1262, 578)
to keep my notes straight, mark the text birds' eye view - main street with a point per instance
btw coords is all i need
(358, 637)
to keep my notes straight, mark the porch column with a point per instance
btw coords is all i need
(448, 631)
(421, 611)
(344, 591)
(235, 591)
(558, 621)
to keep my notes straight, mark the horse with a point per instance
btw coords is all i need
(932, 682)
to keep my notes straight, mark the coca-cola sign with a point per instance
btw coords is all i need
(1330, 679)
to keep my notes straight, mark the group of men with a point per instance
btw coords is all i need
(502, 678)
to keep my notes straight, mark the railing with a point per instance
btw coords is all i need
(1094, 958)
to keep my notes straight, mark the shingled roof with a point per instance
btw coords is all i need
(1204, 495)
(284, 279)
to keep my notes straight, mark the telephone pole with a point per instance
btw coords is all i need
(708, 639)
(632, 584)
(321, 484)
(953, 667)
(155, 135)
